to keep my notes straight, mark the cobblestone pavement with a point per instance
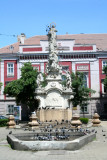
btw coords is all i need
(96, 150)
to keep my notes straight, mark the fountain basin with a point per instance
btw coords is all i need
(37, 145)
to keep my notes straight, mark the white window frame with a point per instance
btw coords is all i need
(12, 113)
(103, 64)
(85, 112)
(87, 76)
(10, 74)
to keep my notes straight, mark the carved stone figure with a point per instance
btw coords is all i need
(68, 79)
(53, 68)
(39, 79)
(52, 39)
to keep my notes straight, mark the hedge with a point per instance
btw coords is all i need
(84, 120)
(3, 122)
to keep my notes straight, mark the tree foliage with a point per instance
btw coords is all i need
(0, 85)
(23, 89)
(80, 92)
(105, 80)
(44, 82)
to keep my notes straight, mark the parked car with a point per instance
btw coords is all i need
(3, 117)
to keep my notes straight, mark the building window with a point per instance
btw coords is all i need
(84, 109)
(85, 79)
(10, 69)
(104, 64)
(10, 109)
(63, 77)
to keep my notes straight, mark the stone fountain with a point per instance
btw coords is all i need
(54, 98)
(54, 106)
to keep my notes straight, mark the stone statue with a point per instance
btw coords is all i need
(53, 67)
(52, 39)
(47, 68)
(39, 80)
(68, 79)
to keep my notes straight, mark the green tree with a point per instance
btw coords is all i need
(23, 89)
(0, 85)
(105, 80)
(44, 82)
(80, 91)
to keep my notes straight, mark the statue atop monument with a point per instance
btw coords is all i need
(52, 68)
(52, 39)
(68, 79)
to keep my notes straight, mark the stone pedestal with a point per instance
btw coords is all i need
(96, 122)
(75, 121)
(11, 123)
(33, 124)
(54, 114)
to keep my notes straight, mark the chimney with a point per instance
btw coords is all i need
(21, 38)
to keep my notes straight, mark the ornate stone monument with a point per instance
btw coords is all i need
(54, 98)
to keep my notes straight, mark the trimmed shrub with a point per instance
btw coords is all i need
(3, 122)
(84, 120)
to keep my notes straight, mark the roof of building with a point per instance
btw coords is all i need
(99, 39)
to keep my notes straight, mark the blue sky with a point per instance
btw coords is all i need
(32, 16)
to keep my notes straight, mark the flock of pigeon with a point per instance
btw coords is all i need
(60, 131)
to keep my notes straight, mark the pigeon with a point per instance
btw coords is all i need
(10, 132)
(62, 120)
(43, 107)
(67, 107)
(57, 123)
(93, 130)
(37, 135)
